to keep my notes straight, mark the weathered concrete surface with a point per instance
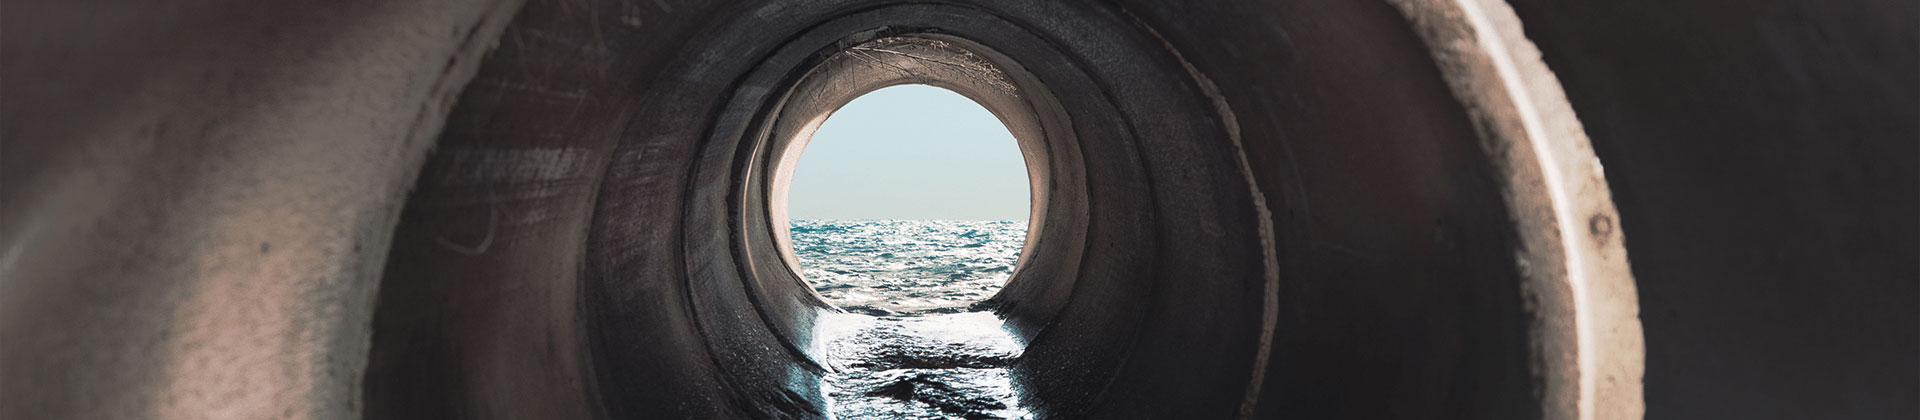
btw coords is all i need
(1763, 156)
(197, 196)
(1292, 209)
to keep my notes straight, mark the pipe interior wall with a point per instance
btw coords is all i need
(1762, 155)
(407, 209)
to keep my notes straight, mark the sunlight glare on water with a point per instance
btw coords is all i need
(922, 356)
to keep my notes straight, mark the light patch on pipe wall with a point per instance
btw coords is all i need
(1529, 129)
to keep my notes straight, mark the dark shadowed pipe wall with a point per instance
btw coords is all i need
(1288, 209)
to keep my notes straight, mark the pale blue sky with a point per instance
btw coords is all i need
(910, 152)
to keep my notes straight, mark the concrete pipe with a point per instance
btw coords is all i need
(572, 209)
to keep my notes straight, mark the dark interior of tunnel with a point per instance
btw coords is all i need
(1293, 209)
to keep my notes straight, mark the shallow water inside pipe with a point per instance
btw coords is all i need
(907, 349)
(932, 367)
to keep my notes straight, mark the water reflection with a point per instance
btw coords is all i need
(906, 349)
(929, 367)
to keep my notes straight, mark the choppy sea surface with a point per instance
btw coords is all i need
(907, 267)
(908, 346)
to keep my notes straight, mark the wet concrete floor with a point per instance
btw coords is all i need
(949, 366)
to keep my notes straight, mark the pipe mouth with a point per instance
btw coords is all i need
(909, 200)
(945, 62)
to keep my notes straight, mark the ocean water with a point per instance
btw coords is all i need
(907, 267)
(909, 345)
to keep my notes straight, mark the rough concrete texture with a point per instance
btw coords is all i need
(1291, 209)
(1764, 156)
(199, 194)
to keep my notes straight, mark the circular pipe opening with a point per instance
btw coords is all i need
(909, 200)
(938, 61)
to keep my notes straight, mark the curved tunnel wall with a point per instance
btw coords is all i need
(1763, 156)
(1436, 247)
(1150, 299)
(745, 318)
